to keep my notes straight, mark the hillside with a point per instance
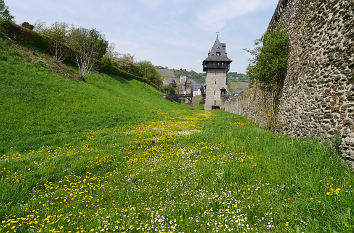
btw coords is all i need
(111, 155)
(169, 74)
(40, 107)
(237, 86)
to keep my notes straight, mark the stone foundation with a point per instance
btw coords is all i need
(317, 97)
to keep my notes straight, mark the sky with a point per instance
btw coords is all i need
(172, 33)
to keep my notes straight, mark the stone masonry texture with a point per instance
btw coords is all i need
(215, 81)
(317, 97)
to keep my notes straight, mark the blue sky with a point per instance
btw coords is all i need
(172, 33)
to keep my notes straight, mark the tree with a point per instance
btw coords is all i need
(269, 65)
(111, 51)
(126, 62)
(27, 25)
(4, 11)
(58, 32)
(171, 90)
(148, 71)
(90, 45)
(39, 26)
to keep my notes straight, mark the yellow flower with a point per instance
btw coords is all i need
(337, 190)
(287, 224)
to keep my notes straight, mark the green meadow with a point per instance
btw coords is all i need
(111, 155)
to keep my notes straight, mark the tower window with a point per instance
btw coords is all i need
(218, 54)
(214, 102)
(214, 92)
(215, 81)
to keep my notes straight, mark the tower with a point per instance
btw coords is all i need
(216, 65)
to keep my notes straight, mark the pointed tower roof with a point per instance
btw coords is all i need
(218, 52)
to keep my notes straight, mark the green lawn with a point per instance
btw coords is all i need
(112, 155)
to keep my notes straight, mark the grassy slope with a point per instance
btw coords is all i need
(120, 158)
(40, 108)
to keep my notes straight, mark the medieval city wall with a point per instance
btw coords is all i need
(317, 97)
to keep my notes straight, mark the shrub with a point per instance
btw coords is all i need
(108, 66)
(147, 69)
(27, 25)
(4, 11)
(171, 90)
(58, 32)
(24, 35)
(91, 46)
(269, 64)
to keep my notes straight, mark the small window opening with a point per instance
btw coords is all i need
(218, 54)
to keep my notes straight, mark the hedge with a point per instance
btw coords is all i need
(24, 35)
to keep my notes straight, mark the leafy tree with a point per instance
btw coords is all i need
(269, 65)
(39, 26)
(148, 71)
(127, 62)
(27, 25)
(111, 51)
(4, 11)
(90, 45)
(171, 90)
(58, 32)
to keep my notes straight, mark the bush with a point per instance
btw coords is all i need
(269, 66)
(147, 69)
(58, 32)
(24, 35)
(4, 11)
(270, 59)
(171, 90)
(27, 25)
(108, 66)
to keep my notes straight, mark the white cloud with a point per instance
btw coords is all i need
(151, 4)
(215, 16)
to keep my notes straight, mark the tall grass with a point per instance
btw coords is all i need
(112, 155)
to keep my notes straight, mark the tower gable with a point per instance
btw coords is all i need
(217, 57)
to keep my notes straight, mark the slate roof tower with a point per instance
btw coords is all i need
(216, 65)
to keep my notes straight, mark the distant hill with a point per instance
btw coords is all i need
(235, 76)
(169, 74)
(237, 86)
(237, 82)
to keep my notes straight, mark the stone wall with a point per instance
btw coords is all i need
(317, 97)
